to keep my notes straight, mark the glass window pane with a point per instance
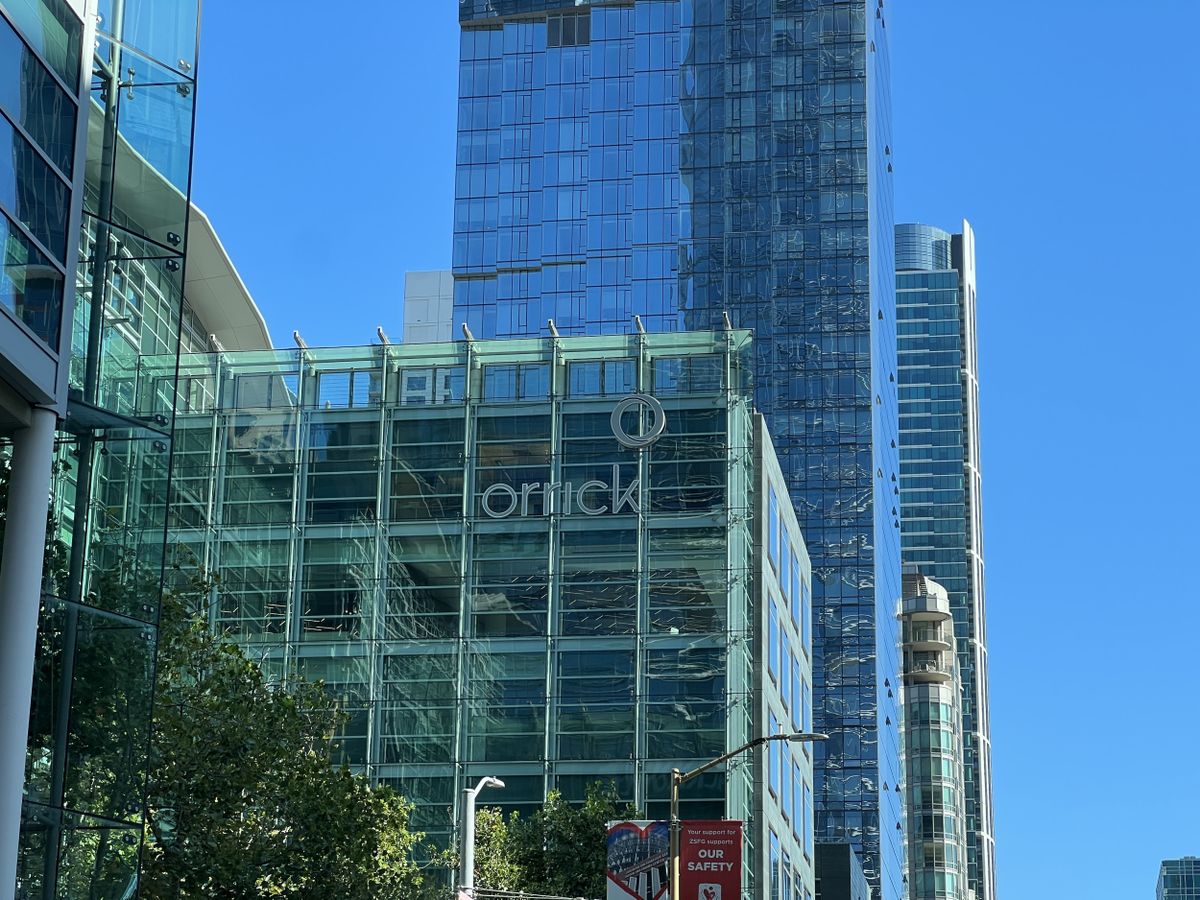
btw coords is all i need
(54, 31)
(164, 29)
(424, 587)
(509, 594)
(110, 716)
(598, 583)
(772, 527)
(506, 701)
(584, 379)
(685, 711)
(773, 641)
(419, 708)
(34, 100)
(30, 287)
(337, 582)
(256, 585)
(620, 377)
(153, 156)
(499, 383)
(31, 191)
(669, 376)
(343, 472)
(774, 864)
(596, 713)
(535, 381)
(706, 373)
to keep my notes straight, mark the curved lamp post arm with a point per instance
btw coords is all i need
(680, 778)
(685, 777)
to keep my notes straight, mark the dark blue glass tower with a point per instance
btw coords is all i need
(683, 159)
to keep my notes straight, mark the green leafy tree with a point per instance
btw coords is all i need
(560, 850)
(496, 853)
(244, 800)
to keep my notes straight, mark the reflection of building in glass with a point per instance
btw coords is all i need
(680, 160)
(454, 538)
(96, 120)
(1179, 879)
(933, 744)
(941, 488)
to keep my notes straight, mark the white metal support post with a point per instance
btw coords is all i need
(20, 599)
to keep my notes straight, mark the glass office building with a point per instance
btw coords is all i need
(1179, 879)
(466, 544)
(941, 487)
(684, 160)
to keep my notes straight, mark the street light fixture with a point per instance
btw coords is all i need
(680, 778)
(466, 864)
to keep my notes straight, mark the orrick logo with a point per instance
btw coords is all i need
(594, 497)
(658, 423)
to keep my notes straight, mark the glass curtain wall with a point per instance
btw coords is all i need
(90, 722)
(680, 160)
(453, 539)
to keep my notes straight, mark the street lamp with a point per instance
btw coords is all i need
(680, 778)
(466, 865)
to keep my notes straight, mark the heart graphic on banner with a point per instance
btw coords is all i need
(637, 859)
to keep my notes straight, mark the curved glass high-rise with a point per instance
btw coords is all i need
(687, 160)
(941, 486)
(933, 743)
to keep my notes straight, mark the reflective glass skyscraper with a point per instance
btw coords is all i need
(1179, 879)
(940, 484)
(688, 160)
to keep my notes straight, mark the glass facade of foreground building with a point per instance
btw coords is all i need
(680, 160)
(941, 485)
(97, 101)
(456, 540)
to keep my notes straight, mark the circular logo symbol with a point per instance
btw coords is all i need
(658, 421)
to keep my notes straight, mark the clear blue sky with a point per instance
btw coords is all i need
(1068, 133)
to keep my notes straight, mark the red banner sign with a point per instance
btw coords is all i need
(710, 861)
